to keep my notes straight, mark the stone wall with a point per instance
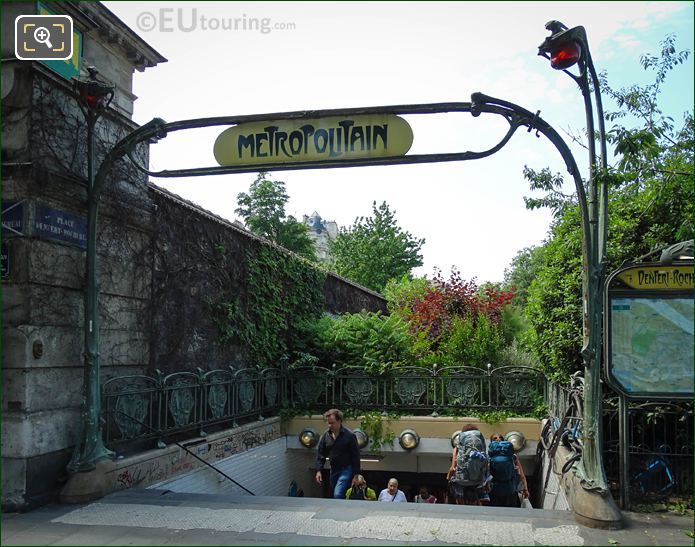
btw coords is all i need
(198, 255)
(152, 270)
(44, 172)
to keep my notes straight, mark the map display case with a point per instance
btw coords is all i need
(648, 320)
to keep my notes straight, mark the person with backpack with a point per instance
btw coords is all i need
(508, 478)
(359, 490)
(469, 466)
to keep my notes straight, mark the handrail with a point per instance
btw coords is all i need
(194, 455)
(572, 411)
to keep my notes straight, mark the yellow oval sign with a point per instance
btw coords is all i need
(658, 277)
(289, 141)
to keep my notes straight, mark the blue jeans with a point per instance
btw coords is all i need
(340, 480)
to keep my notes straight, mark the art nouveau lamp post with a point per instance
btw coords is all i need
(93, 97)
(566, 48)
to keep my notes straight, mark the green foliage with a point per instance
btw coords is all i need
(521, 273)
(473, 342)
(515, 354)
(494, 416)
(263, 211)
(541, 409)
(677, 506)
(372, 424)
(554, 299)
(283, 293)
(513, 324)
(650, 206)
(369, 341)
(375, 249)
(454, 321)
(551, 184)
(401, 293)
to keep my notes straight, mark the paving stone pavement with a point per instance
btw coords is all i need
(151, 517)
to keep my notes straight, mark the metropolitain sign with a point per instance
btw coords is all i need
(290, 141)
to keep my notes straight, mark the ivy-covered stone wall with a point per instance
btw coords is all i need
(224, 297)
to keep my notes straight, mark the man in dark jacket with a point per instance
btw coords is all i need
(340, 445)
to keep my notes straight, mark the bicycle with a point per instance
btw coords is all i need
(656, 478)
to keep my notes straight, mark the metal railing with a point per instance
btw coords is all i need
(564, 425)
(421, 390)
(658, 443)
(659, 451)
(165, 405)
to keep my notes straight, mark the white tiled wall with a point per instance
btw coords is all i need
(266, 470)
(554, 494)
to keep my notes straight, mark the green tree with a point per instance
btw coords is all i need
(650, 206)
(521, 273)
(263, 211)
(375, 249)
(369, 341)
(401, 293)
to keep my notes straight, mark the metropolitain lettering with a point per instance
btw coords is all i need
(344, 137)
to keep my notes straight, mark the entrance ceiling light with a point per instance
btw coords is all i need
(517, 439)
(362, 438)
(408, 439)
(308, 437)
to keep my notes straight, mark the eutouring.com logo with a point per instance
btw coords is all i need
(190, 20)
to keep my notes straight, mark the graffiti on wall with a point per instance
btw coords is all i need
(169, 465)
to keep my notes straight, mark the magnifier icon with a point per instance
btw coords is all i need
(42, 36)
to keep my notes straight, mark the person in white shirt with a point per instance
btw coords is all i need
(392, 493)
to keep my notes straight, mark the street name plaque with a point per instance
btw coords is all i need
(60, 225)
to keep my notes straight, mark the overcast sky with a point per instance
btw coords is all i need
(298, 56)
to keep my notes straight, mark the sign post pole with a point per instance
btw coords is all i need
(94, 98)
(565, 48)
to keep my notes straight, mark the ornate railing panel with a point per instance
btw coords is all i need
(463, 387)
(181, 401)
(247, 397)
(218, 395)
(310, 387)
(353, 388)
(272, 390)
(131, 406)
(139, 406)
(516, 387)
(417, 389)
(412, 388)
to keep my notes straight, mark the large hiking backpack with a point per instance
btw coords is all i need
(505, 478)
(471, 462)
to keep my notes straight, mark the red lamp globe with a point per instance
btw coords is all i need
(565, 55)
